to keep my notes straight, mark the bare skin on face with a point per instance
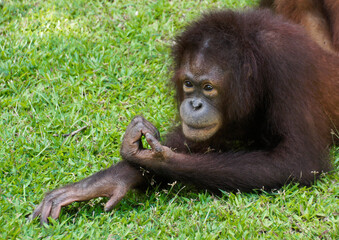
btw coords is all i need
(198, 111)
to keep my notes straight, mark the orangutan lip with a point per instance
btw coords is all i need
(201, 128)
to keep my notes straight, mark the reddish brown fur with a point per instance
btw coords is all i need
(319, 17)
(279, 102)
(283, 114)
(332, 8)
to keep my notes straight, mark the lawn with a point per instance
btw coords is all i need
(65, 65)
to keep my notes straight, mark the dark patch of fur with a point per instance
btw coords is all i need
(282, 113)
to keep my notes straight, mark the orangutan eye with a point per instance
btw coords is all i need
(208, 87)
(188, 84)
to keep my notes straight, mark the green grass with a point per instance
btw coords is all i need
(68, 64)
